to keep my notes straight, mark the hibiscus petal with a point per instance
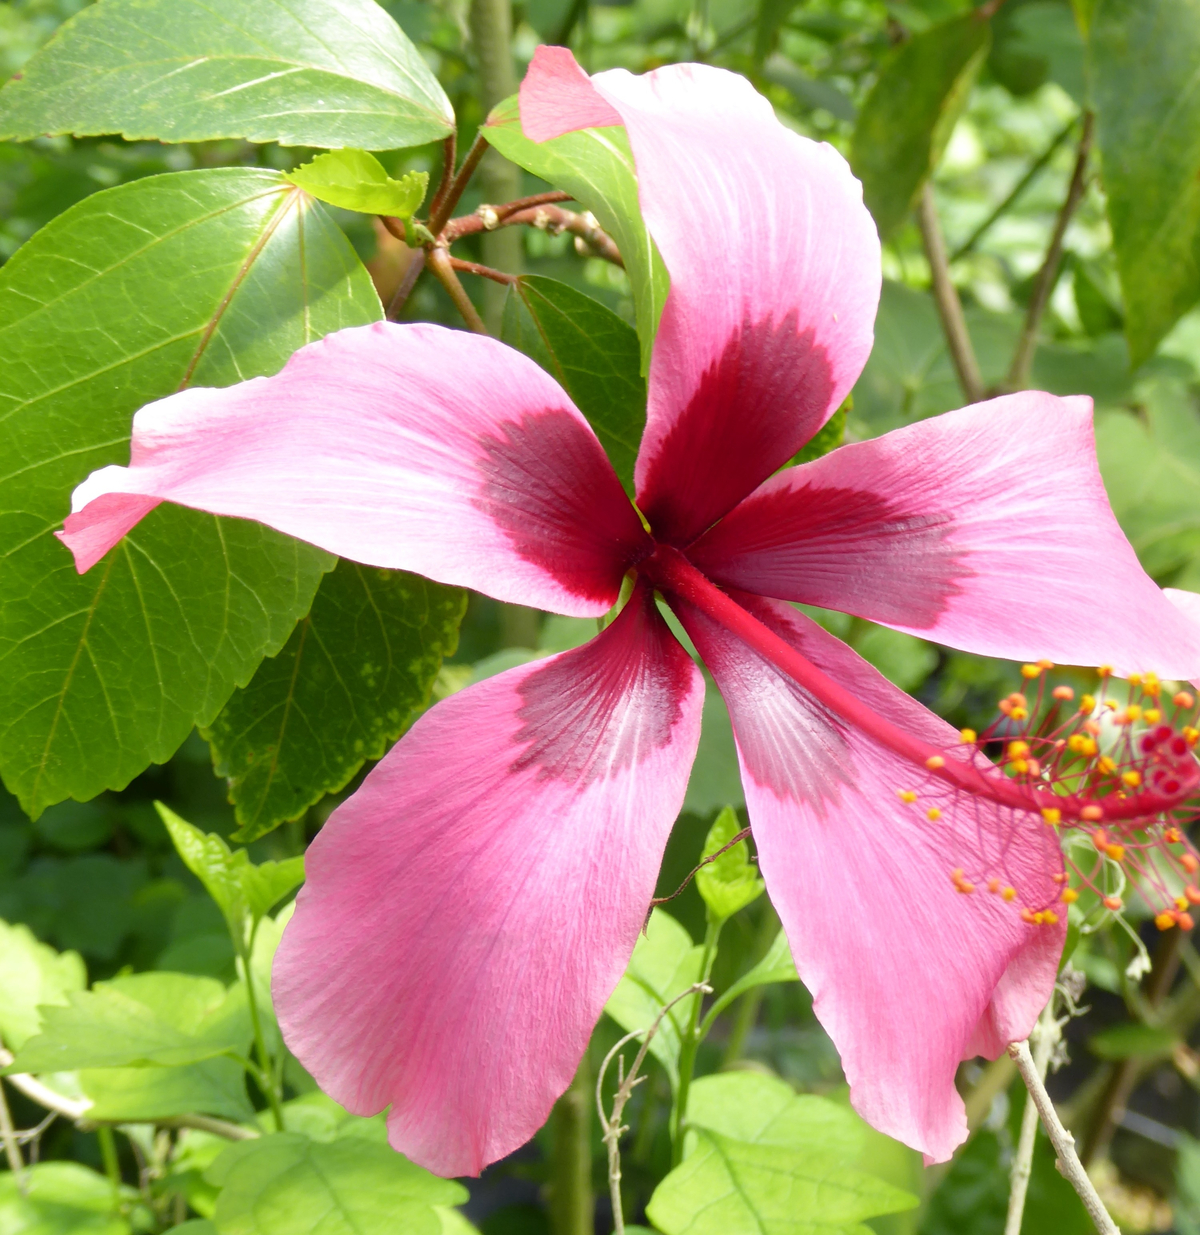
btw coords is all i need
(412, 447)
(908, 975)
(469, 910)
(775, 276)
(1188, 603)
(987, 529)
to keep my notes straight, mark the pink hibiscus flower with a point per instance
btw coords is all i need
(469, 910)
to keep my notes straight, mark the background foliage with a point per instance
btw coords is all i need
(133, 266)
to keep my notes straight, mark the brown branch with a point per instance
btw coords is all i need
(439, 217)
(449, 157)
(945, 296)
(553, 219)
(484, 272)
(1018, 374)
(1062, 1140)
(712, 857)
(439, 265)
(411, 275)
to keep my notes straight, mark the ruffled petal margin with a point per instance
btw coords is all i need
(469, 910)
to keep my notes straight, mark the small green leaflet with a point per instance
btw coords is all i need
(148, 1018)
(664, 964)
(356, 180)
(299, 72)
(348, 682)
(596, 167)
(61, 1198)
(592, 353)
(730, 882)
(193, 278)
(776, 966)
(286, 1182)
(32, 974)
(907, 119)
(244, 892)
(1142, 66)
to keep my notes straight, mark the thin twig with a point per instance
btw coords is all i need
(945, 295)
(1062, 1140)
(613, 1129)
(712, 857)
(1026, 180)
(449, 158)
(439, 265)
(549, 218)
(445, 208)
(484, 272)
(1044, 1036)
(12, 1149)
(1018, 374)
(411, 275)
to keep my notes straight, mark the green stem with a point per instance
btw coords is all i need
(746, 1016)
(112, 1165)
(692, 1037)
(263, 1074)
(572, 1202)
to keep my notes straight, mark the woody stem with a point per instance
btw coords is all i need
(674, 575)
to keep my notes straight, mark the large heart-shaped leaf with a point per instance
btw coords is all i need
(200, 278)
(1143, 57)
(300, 72)
(350, 679)
(596, 167)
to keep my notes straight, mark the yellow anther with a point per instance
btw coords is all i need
(1135, 679)
(1030, 671)
(1069, 896)
(1106, 765)
(1181, 903)
(967, 736)
(1020, 766)
(906, 795)
(1164, 921)
(1009, 894)
(1152, 716)
(933, 814)
(1075, 743)
(1184, 699)
(1113, 902)
(1191, 736)
(1130, 714)
(1049, 917)
(993, 885)
(1088, 747)
(1045, 664)
(1087, 703)
(934, 762)
(1019, 713)
(1103, 671)
(1116, 852)
(1151, 685)
(1111, 704)
(1063, 693)
(1052, 815)
(1017, 749)
(1131, 778)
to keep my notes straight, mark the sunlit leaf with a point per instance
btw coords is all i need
(730, 882)
(61, 1198)
(356, 180)
(32, 974)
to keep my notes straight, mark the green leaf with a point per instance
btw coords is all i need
(726, 1185)
(453, 1223)
(1142, 64)
(596, 167)
(243, 891)
(137, 1095)
(300, 72)
(350, 679)
(730, 882)
(1133, 1041)
(194, 278)
(763, 1110)
(664, 964)
(356, 180)
(776, 966)
(287, 1183)
(906, 120)
(32, 974)
(592, 353)
(903, 659)
(1151, 468)
(828, 437)
(148, 1018)
(63, 1198)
